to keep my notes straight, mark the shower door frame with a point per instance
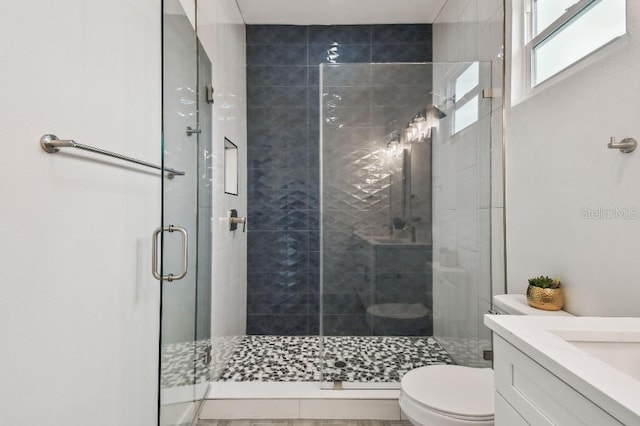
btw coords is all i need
(185, 305)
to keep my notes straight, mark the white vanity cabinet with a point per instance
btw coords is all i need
(566, 371)
(527, 393)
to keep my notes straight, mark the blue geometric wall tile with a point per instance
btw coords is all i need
(278, 282)
(296, 178)
(346, 325)
(385, 34)
(337, 280)
(314, 260)
(297, 220)
(314, 165)
(314, 221)
(277, 138)
(284, 325)
(360, 34)
(278, 117)
(314, 239)
(343, 304)
(314, 282)
(314, 75)
(292, 325)
(262, 199)
(396, 327)
(314, 303)
(272, 54)
(339, 53)
(401, 53)
(314, 325)
(268, 96)
(314, 198)
(296, 157)
(269, 220)
(283, 155)
(314, 130)
(273, 179)
(296, 200)
(277, 303)
(278, 251)
(266, 158)
(276, 34)
(313, 142)
(314, 97)
(277, 75)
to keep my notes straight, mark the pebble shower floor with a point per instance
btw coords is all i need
(295, 359)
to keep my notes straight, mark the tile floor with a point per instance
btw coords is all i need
(370, 359)
(363, 359)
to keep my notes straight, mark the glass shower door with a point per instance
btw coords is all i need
(405, 255)
(186, 212)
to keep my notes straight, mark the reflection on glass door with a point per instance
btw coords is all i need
(186, 208)
(405, 162)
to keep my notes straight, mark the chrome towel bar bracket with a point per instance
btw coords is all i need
(626, 145)
(51, 144)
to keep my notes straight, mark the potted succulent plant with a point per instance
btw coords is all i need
(545, 293)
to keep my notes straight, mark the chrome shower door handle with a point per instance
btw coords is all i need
(185, 253)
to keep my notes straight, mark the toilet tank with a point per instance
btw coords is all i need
(516, 304)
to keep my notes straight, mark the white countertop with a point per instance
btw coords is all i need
(539, 337)
(517, 303)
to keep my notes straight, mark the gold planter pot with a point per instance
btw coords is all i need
(548, 299)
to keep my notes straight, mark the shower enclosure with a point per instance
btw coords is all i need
(405, 224)
(185, 345)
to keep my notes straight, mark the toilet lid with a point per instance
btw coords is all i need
(461, 392)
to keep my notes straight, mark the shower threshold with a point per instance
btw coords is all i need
(297, 400)
(297, 390)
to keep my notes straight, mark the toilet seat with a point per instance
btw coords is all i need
(451, 392)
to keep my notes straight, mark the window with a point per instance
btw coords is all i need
(547, 11)
(562, 32)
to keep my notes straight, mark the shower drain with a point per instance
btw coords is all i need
(340, 364)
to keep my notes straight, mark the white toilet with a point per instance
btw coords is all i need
(453, 395)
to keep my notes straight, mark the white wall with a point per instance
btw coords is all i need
(468, 202)
(222, 32)
(79, 308)
(558, 164)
